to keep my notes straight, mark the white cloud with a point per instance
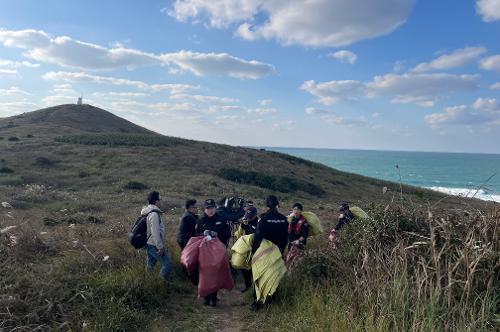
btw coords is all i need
(344, 56)
(18, 64)
(202, 64)
(457, 58)
(331, 117)
(495, 86)
(376, 114)
(67, 52)
(13, 91)
(482, 111)
(421, 89)
(120, 94)
(13, 108)
(265, 102)
(320, 23)
(204, 99)
(488, 9)
(491, 63)
(164, 108)
(8, 72)
(81, 77)
(329, 93)
(224, 108)
(58, 100)
(262, 110)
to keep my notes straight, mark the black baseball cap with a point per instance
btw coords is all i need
(251, 212)
(209, 203)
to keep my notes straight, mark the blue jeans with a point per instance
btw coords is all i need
(152, 258)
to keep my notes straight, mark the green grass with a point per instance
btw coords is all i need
(117, 139)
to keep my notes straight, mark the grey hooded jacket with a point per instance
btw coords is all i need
(156, 226)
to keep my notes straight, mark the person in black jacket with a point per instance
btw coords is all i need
(346, 216)
(248, 226)
(187, 226)
(214, 225)
(272, 226)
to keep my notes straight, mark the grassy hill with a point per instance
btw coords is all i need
(76, 177)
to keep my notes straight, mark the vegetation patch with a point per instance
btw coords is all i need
(76, 218)
(120, 139)
(5, 169)
(44, 162)
(282, 184)
(134, 185)
(13, 139)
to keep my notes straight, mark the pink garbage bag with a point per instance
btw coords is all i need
(214, 269)
(189, 255)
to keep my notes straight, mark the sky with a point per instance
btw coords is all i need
(414, 75)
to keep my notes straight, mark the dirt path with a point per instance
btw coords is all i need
(228, 315)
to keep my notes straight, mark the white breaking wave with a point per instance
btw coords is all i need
(465, 192)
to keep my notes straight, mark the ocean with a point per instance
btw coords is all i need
(463, 174)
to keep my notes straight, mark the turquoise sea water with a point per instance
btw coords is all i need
(463, 174)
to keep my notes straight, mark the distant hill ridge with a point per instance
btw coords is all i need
(81, 117)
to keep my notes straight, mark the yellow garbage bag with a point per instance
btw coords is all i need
(315, 227)
(358, 212)
(241, 252)
(268, 268)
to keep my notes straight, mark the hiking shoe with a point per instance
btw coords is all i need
(255, 306)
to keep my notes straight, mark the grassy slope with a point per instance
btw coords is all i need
(79, 181)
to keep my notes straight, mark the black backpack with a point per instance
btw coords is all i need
(137, 236)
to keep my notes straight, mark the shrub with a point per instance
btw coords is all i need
(43, 162)
(5, 169)
(278, 183)
(13, 139)
(83, 174)
(120, 139)
(29, 136)
(134, 185)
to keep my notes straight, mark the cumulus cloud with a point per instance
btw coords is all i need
(13, 108)
(68, 52)
(262, 110)
(482, 111)
(411, 88)
(58, 100)
(457, 58)
(18, 64)
(420, 89)
(320, 23)
(204, 99)
(8, 72)
(491, 63)
(265, 102)
(202, 64)
(495, 86)
(13, 91)
(344, 56)
(488, 9)
(329, 93)
(331, 117)
(81, 77)
(114, 94)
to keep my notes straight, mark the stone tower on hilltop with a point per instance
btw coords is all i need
(79, 102)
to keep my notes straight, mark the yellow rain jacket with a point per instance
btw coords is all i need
(241, 252)
(268, 268)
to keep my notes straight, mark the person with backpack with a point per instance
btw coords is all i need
(213, 225)
(272, 226)
(188, 223)
(155, 248)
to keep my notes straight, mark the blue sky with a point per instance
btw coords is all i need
(387, 74)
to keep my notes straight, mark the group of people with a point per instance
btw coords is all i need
(230, 217)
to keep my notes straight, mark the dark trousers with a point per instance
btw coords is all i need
(211, 297)
(247, 275)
